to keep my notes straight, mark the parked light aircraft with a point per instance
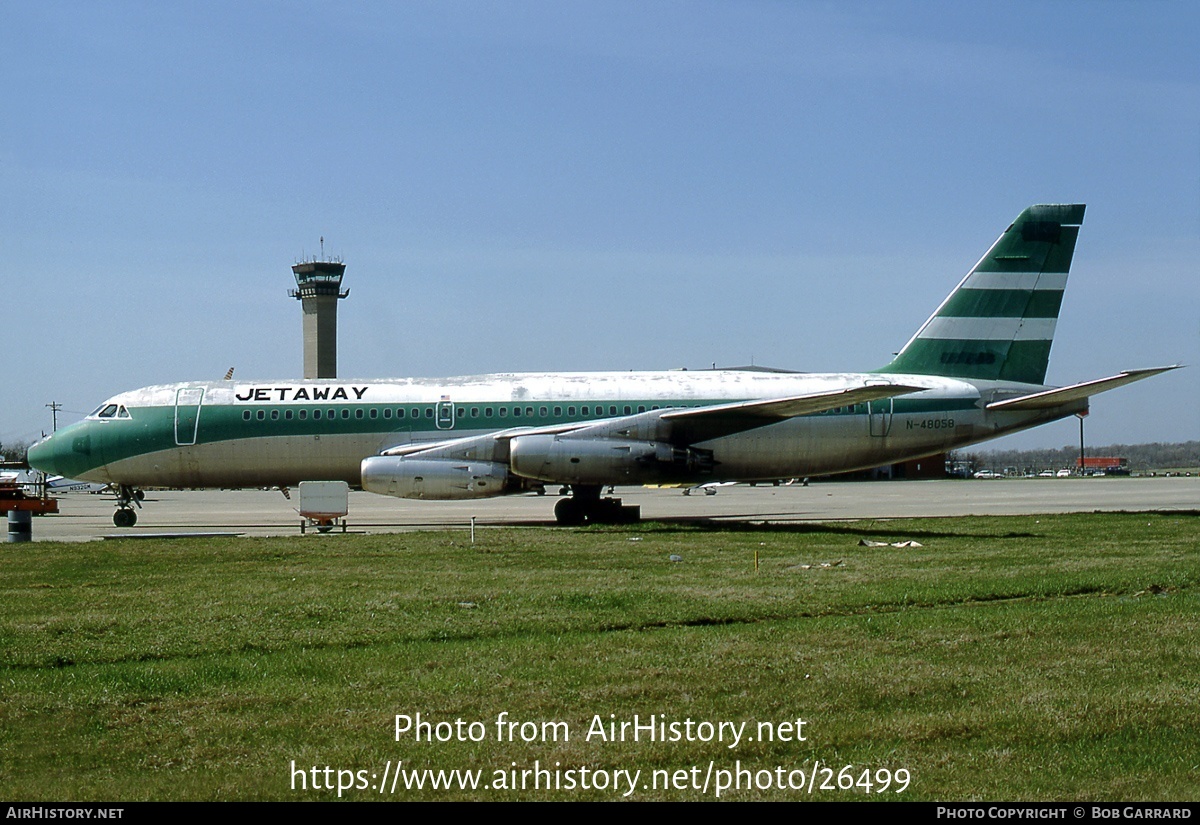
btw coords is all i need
(973, 371)
(58, 484)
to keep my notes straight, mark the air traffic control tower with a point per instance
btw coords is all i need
(318, 289)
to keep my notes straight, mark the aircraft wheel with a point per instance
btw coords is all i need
(124, 518)
(569, 512)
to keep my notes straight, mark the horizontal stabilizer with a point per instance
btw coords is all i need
(1076, 392)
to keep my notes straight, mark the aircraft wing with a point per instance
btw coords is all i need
(689, 426)
(1076, 392)
(677, 426)
(457, 444)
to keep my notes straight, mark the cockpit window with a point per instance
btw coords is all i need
(108, 412)
(122, 412)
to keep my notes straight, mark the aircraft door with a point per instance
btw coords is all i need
(187, 415)
(880, 413)
(445, 415)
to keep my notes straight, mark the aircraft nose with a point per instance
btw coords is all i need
(44, 455)
(68, 452)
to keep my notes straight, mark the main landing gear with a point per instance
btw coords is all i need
(127, 496)
(586, 507)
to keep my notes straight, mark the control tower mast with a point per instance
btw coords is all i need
(319, 288)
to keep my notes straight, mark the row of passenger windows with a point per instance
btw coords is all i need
(444, 413)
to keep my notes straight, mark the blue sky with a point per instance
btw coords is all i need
(565, 186)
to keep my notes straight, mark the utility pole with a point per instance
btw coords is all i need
(54, 408)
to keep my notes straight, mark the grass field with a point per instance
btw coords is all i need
(1030, 658)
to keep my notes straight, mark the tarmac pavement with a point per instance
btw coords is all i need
(85, 517)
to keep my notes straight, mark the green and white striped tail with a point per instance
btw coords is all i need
(999, 322)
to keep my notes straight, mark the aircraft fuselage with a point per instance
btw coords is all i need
(235, 434)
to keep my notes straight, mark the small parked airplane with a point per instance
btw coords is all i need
(58, 484)
(973, 371)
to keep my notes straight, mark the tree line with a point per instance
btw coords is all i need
(1142, 457)
(15, 450)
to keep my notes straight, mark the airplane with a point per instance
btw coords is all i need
(973, 371)
(58, 484)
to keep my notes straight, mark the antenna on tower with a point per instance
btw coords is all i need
(322, 247)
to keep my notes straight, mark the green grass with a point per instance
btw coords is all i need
(1032, 658)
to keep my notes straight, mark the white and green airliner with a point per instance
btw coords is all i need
(975, 370)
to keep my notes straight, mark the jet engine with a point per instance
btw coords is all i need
(441, 479)
(604, 460)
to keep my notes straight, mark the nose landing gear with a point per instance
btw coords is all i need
(127, 496)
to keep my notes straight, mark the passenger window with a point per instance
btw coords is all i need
(503, 412)
(317, 414)
(529, 411)
(274, 415)
(332, 414)
(359, 413)
(516, 410)
(612, 410)
(245, 415)
(374, 413)
(387, 413)
(288, 415)
(487, 411)
(474, 412)
(586, 410)
(429, 412)
(303, 414)
(261, 415)
(571, 411)
(543, 412)
(345, 414)
(641, 407)
(416, 413)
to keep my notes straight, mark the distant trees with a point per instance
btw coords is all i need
(14, 450)
(1142, 457)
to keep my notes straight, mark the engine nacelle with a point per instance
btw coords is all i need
(440, 479)
(603, 460)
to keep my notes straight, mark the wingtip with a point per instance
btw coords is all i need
(1153, 370)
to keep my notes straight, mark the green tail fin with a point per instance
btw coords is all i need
(999, 322)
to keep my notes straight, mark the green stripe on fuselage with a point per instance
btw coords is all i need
(152, 429)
